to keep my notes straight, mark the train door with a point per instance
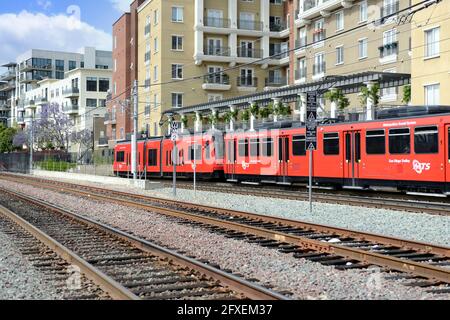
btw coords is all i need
(231, 159)
(283, 157)
(447, 157)
(352, 147)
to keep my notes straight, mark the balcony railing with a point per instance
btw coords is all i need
(319, 35)
(250, 25)
(279, 54)
(8, 75)
(110, 118)
(301, 43)
(217, 22)
(390, 9)
(20, 120)
(300, 73)
(217, 79)
(29, 65)
(250, 53)
(276, 81)
(41, 100)
(73, 91)
(70, 108)
(278, 26)
(319, 68)
(247, 82)
(29, 103)
(217, 51)
(309, 4)
(388, 49)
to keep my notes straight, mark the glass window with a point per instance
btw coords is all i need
(152, 157)
(59, 65)
(177, 71)
(432, 95)
(362, 48)
(375, 142)
(207, 150)
(243, 148)
(218, 146)
(331, 143)
(426, 140)
(91, 103)
(198, 152)
(299, 145)
(432, 42)
(339, 20)
(254, 147)
(177, 100)
(177, 43)
(91, 84)
(339, 55)
(120, 156)
(399, 141)
(103, 84)
(177, 14)
(267, 147)
(363, 11)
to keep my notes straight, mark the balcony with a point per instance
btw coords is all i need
(4, 107)
(28, 66)
(217, 51)
(247, 84)
(319, 36)
(70, 109)
(20, 120)
(316, 8)
(276, 82)
(388, 53)
(8, 75)
(319, 70)
(41, 100)
(300, 45)
(71, 92)
(250, 25)
(216, 82)
(102, 142)
(29, 104)
(278, 26)
(250, 53)
(216, 22)
(110, 119)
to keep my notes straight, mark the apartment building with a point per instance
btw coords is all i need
(81, 94)
(7, 87)
(329, 45)
(430, 77)
(36, 65)
(125, 70)
(183, 39)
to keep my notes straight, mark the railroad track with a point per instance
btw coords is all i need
(427, 264)
(385, 201)
(123, 266)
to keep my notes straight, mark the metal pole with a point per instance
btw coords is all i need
(195, 166)
(174, 158)
(135, 130)
(310, 180)
(31, 144)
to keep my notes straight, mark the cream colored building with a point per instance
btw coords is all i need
(335, 50)
(430, 75)
(180, 39)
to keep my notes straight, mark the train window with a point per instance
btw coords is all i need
(267, 147)
(219, 146)
(120, 156)
(198, 152)
(331, 143)
(207, 150)
(152, 157)
(399, 141)
(254, 147)
(426, 140)
(375, 142)
(299, 145)
(448, 142)
(243, 148)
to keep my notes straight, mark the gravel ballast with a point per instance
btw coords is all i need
(18, 278)
(305, 279)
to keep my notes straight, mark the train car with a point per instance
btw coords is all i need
(410, 154)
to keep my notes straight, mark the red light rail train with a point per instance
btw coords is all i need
(405, 150)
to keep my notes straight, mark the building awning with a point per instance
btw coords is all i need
(348, 84)
(10, 64)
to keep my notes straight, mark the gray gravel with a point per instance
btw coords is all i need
(18, 279)
(306, 280)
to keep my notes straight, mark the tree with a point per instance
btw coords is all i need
(337, 96)
(373, 93)
(254, 110)
(6, 139)
(406, 94)
(245, 116)
(267, 111)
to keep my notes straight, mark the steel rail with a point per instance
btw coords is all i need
(403, 265)
(247, 288)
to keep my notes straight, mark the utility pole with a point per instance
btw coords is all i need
(134, 149)
(31, 142)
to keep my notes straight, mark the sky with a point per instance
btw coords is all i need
(63, 25)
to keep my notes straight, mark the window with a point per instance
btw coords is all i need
(432, 94)
(198, 152)
(319, 63)
(362, 48)
(91, 84)
(340, 21)
(426, 140)
(91, 103)
(339, 55)
(59, 65)
(59, 75)
(147, 27)
(120, 156)
(101, 103)
(153, 157)
(331, 143)
(399, 141)
(155, 45)
(177, 71)
(243, 148)
(375, 142)
(363, 11)
(72, 65)
(103, 84)
(177, 14)
(177, 43)
(267, 147)
(115, 42)
(155, 17)
(254, 147)
(177, 100)
(298, 145)
(207, 150)
(147, 107)
(432, 42)
(155, 73)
